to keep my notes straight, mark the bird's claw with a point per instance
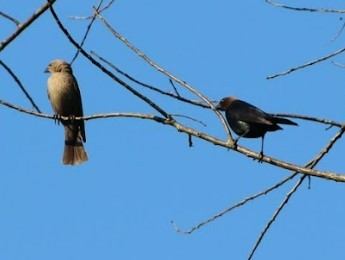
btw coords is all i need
(57, 118)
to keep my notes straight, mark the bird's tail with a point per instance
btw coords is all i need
(279, 120)
(74, 152)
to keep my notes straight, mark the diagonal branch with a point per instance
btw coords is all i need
(168, 74)
(275, 215)
(16, 79)
(318, 10)
(24, 25)
(307, 64)
(227, 210)
(190, 131)
(310, 165)
(178, 97)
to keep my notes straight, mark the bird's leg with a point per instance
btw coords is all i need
(57, 118)
(262, 149)
(71, 118)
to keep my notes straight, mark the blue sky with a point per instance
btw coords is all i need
(140, 175)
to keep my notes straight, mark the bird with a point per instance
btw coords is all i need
(249, 121)
(65, 98)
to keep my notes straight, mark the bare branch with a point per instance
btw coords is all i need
(227, 210)
(307, 64)
(320, 10)
(92, 16)
(310, 165)
(16, 79)
(182, 128)
(169, 75)
(199, 103)
(24, 25)
(310, 118)
(10, 18)
(281, 206)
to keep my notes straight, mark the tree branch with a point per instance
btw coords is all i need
(26, 24)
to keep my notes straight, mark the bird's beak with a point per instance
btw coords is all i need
(46, 70)
(219, 107)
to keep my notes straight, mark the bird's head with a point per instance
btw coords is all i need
(58, 66)
(225, 103)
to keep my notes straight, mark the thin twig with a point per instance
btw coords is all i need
(310, 165)
(191, 118)
(199, 103)
(310, 118)
(303, 9)
(16, 79)
(87, 32)
(227, 210)
(173, 85)
(14, 20)
(307, 64)
(24, 25)
(336, 36)
(338, 64)
(281, 206)
(92, 16)
(168, 74)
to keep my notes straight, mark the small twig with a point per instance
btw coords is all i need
(321, 10)
(336, 36)
(16, 79)
(310, 165)
(227, 210)
(24, 25)
(10, 18)
(168, 74)
(281, 206)
(173, 85)
(191, 118)
(87, 32)
(199, 103)
(307, 64)
(92, 16)
(310, 118)
(338, 64)
(190, 141)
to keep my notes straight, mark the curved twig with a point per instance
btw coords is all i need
(303, 9)
(16, 79)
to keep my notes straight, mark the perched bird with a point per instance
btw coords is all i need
(249, 121)
(64, 95)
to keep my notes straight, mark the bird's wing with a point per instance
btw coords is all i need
(79, 108)
(246, 112)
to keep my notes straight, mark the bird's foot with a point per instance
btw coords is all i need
(57, 118)
(71, 118)
(260, 158)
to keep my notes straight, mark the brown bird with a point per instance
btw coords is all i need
(64, 95)
(249, 121)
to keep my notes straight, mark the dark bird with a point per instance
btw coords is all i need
(249, 121)
(64, 95)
